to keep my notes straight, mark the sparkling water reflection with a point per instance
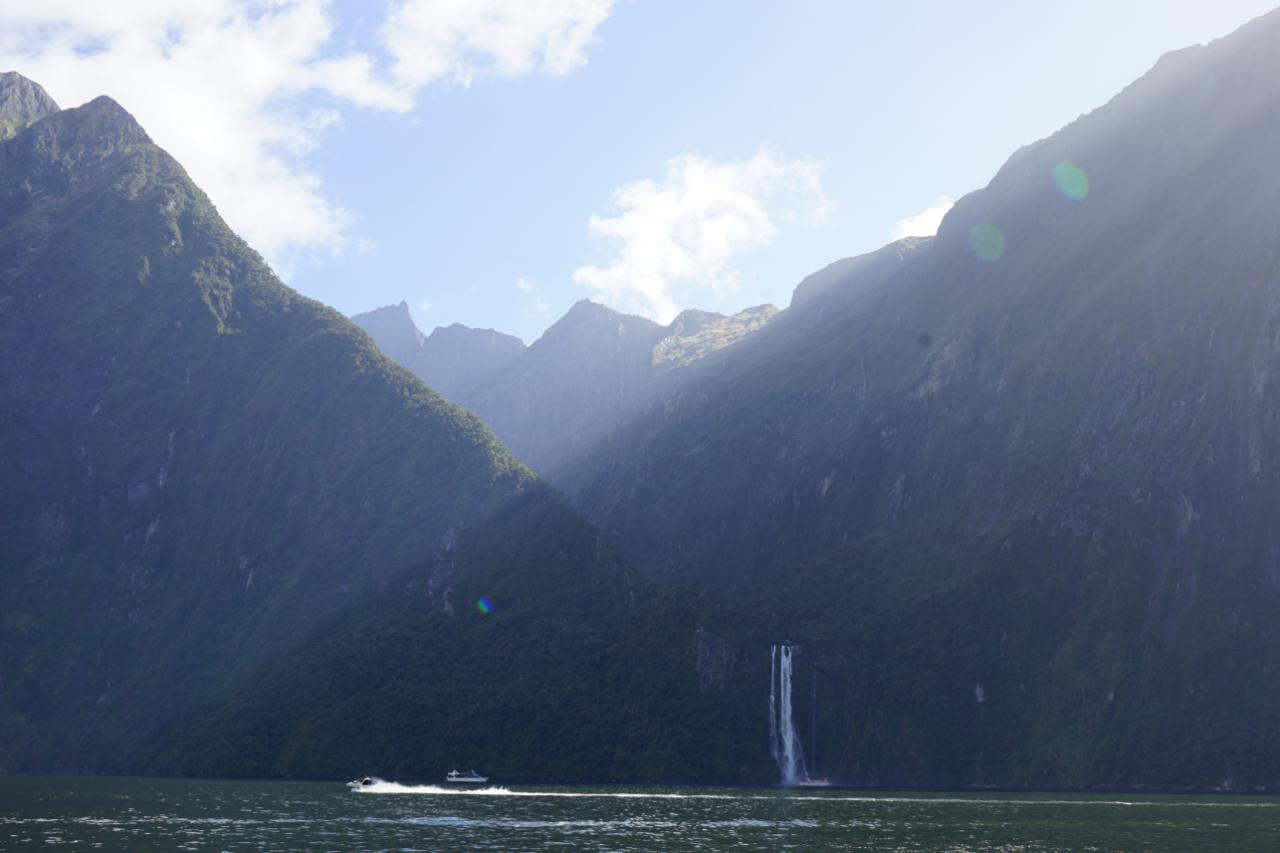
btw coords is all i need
(166, 814)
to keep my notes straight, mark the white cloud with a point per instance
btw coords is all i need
(683, 233)
(241, 91)
(524, 285)
(425, 305)
(540, 305)
(923, 224)
(437, 39)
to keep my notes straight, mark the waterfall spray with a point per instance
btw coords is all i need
(784, 741)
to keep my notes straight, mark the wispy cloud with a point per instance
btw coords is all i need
(461, 39)
(242, 91)
(923, 224)
(678, 237)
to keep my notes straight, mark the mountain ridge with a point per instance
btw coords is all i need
(577, 381)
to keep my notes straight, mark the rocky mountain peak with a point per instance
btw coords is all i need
(587, 318)
(691, 321)
(393, 328)
(22, 103)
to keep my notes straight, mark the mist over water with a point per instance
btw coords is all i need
(170, 814)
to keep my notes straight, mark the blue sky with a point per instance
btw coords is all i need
(462, 175)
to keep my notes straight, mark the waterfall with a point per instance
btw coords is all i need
(773, 706)
(784, 741)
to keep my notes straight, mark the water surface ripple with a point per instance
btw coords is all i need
(79, 813)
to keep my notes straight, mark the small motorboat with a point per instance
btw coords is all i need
(364, 782)
(471, 777)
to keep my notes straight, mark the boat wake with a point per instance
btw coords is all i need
(397, 788)
(499, 791)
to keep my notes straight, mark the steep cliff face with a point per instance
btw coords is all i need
(1035, 458)
(200, 464)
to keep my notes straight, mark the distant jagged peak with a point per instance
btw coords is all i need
(455, 332)
(393, 327)
(691, 320)
(592, 318)
(696, 334)
(588, 309)
(22, 103)
(399, 312)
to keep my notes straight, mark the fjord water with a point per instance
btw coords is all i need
(172, 814)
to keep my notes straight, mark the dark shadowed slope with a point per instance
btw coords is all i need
(528, 649)
(235, 539)
(199, 462)
(1022, 492)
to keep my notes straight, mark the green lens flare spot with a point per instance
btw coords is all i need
(1071, 180)
(986, 241)
(484, 606)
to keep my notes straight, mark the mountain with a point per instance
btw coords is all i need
(451, 359)
(1006, 493)
(574, 669)
(201, 463)
(393, 329)
(554, 400)
(214, 484)
(1011, 488)
(835, 285)
(22, 103)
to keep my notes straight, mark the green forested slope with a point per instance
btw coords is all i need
(579, 671)
(198, 462)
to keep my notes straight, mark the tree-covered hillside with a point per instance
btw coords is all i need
(199, 462)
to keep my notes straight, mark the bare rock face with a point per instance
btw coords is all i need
(22, 103)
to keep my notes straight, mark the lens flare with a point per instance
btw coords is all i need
(484, 606)
(986, 241)
(1071, 180)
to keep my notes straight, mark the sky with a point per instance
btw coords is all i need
(492, 162)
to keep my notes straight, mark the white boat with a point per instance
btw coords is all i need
(470, 777)
(364, 782)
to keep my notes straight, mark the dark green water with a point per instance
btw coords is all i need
(164, 814)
